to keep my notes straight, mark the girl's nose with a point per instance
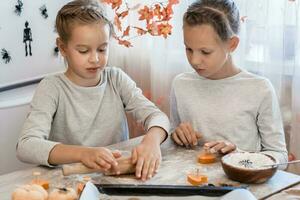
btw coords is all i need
(196, 59)
(94, 58)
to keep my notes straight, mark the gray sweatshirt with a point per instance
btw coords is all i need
(242, 109)
(62, 112)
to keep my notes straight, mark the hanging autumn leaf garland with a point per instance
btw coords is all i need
(156, 17)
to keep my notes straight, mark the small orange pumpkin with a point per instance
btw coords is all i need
(41, 182)
(30, 192)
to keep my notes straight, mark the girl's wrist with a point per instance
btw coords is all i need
(156, 134)
(81, 154)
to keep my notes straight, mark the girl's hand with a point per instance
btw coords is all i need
(147, 157)
(223, 147)
(184, 134)
(100, 158)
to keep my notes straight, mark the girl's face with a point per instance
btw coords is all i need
(86, 53)
(206, 53)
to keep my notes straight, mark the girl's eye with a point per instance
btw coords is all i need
(189, 49)
(206, 52)
(102, 50)
(82, 51)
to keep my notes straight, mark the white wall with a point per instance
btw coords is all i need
(43, 60)
(14, 104)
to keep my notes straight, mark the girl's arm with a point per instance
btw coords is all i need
(147, 155)
(182, 133)
(93, 157)
(33, 145)
(174, 116)
(142, 109)
(270, 126)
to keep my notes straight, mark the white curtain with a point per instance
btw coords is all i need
(269, 46)
(153, 61)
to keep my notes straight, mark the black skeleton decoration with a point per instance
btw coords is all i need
(56, 51)
(5, 56)
(44, 11)
(19, 7)
(27, 39)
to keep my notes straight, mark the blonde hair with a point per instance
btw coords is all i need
(80, 12)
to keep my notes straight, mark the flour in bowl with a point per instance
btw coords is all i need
(248, 160)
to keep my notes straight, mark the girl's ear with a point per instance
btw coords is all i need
(233, 43)
(61, 46)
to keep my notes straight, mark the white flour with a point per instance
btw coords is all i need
(248, 160)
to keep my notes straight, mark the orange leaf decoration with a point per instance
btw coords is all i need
(173, 2)
(114, 3)
(117, 22)
(164, 29)
(126, 43)
(145, 14)
(167, 12)
(140, 31)
(157, 11)
(126, 32)
(123, 14)
(155, 16)
(152, 28)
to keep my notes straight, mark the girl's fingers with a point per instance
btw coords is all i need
(187, 133)
(198, 135)
(209, 145)
(218, 147)
(181, 136)
(134, 156)
(193, 134)
(139, 167)
(145, 169)
(108, 157)
(228, 148)
(117, 154)
(151, 169)
(92, 165)
(157, 164)
(176, 139)
(101, 163)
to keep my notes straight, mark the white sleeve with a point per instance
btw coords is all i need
(270, 126)
(174, 116)
(135, 102)
(33, 145)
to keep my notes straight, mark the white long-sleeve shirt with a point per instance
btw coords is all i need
(242, 109)
(62, 112)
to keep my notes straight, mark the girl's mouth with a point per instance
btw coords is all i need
(93, 69)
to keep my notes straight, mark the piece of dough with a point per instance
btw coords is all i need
(125, 166)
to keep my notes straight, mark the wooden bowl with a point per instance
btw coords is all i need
(246, 167)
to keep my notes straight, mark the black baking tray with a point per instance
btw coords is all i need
(164, 190)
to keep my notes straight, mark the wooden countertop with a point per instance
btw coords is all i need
(177, 162)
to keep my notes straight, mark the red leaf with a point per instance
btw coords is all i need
(117, 22)
(125, 43)
(126, 32)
